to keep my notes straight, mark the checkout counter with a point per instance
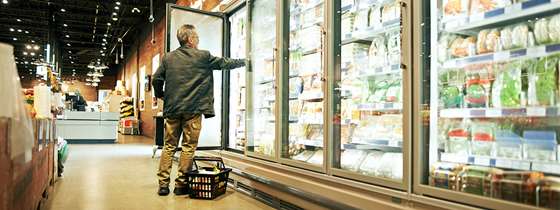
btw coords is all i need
(88, 127)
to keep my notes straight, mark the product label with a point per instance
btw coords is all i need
(493, 113)
(482, 161)
(536, 111)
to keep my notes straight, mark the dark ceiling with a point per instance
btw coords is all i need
(86, 30)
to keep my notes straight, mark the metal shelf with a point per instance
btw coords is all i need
(300, 10)
(500, 112)
(381, 107)
(364, 146)
(380, 71)
(371, 32)
(520, 54)
(506, 163)
(311, 143)
(518, 11)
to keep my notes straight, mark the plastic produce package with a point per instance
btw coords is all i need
(507, 88)
(478, 87)
(351, 159)
(540, 145)
(455, 7)
(481, 6)
(445, 175)
(543, 82)
(487, 41)
(554, 28)
(378, 53)
(514, 37)
(542, 35)
(391, 166)
(371, 163)
(458, 137)
(20, 131)
(508, 145)
(482, 138)
(461, 47)
(452, 88)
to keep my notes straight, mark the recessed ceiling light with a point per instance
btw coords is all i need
(117, 7)
(68, 44)
(18, 20)
(19, 30)
(69, 51)
(115, 18)
(105, 40)
(35, 47)
(104, 48)
(32, 54)
(102, 54)
(24, 53)
(4, 1)
(105, 35)
(73, 69)
(62, 10)
(118, 3)
(12, 29)
(15, 39)
(72, 62)
(32, 41)
(109, 24)
(67, 36)
(26, 32)
(103, 44)
(70, 57)
(114, 13)
(28, 47)
(65, 25)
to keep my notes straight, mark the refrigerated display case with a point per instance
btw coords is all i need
(305, 83)
(237, 78)
(370, 116)
(261, 80)
(489, 102)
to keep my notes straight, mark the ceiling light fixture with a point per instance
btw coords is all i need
(135, 10)
(67, 36)
(104, 40)
(109, 24)
(115, 18)
(4, 1)
(62, 10)
(19, 30)
(18, 20)
(114, 13)
(69, 51)
(28, 47)
(65, 25)
(24, 53)
(68, 44)
(32, 54)
(117, 7)
(12, 29)
(35, 47)
(15, 39)
(26, 32)
(118, 3)
(32, 41)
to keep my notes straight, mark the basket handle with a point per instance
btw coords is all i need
(219, 162)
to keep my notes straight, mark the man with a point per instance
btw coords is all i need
(187, 76)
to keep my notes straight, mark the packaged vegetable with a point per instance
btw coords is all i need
(482, 138)
(539, 145)
(445, 175)
(391, 11)
(476, 180)
(361, 21)
(444, 44)
(394, 48)
(375, 17)
(460, 47)
(543, 82)
(458, 138)
(452, 88)
(549, 192)
(478, 86)
(371, 163)
(455, 7)
(506, 38)
(481, 42)
(351, 159)
(508, 86)
(377, 53)
(391, 166)
(541, 31)
(508, 145)
(554, 28)
(393, 94)
(482, 6)
(520, 36)
(516, 186)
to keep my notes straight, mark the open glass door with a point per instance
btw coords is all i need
(210, 27)
(488, 103)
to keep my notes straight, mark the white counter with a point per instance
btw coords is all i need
(88, 127)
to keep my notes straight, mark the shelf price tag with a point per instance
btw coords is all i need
(454, 158)
(536, 111)
(493, 113)
(482, 161)
(553, 168)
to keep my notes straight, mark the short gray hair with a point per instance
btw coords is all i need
(184, 33)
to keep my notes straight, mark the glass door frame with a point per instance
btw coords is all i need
(284, 49)
(225, 38)
(420, 155)
(334, 65)
(227, 75)
(250, 86)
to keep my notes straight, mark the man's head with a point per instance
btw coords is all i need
(186, 34)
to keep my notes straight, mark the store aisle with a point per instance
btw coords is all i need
(123, 176)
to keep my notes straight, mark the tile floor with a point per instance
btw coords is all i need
(123, 176)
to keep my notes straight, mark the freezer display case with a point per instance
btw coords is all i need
(369, 88)
(261, 77)
(490, 94)
(306, 82)
(237, 78)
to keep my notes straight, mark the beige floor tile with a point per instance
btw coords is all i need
(122, 177)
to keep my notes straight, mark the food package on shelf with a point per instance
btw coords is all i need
(540, 145)
(361, 22)
(347, 25)
(394, 48)
(554, 28)
(393, 94)
(478, 85)
(391, 166)
(463, 47)
(487, 41)
(295, 108)
(458, 136)
(543, 82)
(507, 89)
(541, 31)
(391, 11)
(444, 46)
(378, 53)
(310, 64)
(378, 90)
(304, 155)
(375, 17)
(482, 138)
(371, 163)
(308, 34)
(452, 83)
(317, 158)
(445, 175)
(516, 186)
(313, 15)
(351, 159)
(548, 192)
(296, 86)
(455, 7)
(508, 145)
(42, 101)
(482, 6)
(476, 180)
(515, 37)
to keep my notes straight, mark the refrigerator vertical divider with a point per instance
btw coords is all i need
(406, 53)
(332, 96)
(248, 80)
(282, 67)
(226, 45)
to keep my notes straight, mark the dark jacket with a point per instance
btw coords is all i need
(188, 79)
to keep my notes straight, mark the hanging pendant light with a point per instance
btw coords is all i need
(117, 57)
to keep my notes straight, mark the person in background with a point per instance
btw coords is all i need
(187, 76)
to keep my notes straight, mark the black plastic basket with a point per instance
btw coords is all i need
(208, 186)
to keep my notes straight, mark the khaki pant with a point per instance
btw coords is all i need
(189, 125)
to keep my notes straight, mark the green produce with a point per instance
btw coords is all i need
(543, 78)
(452, 97)
(510, 92)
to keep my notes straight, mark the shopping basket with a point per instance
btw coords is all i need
(208, 182)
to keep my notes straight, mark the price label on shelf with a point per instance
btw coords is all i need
(482, 161)
(454, 158)
(504, 163)
(493, 113)
(520, 165)
(536, 111)
(500, 56)
(547, 167)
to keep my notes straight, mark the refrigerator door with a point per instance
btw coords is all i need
(237, 85)
(210, 28)
(261, 80)
(488, 103)
(305, 96)
(370, 90)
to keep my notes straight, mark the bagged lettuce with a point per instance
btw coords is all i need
(452, 88)
(543, 81)
(541, 31)
(508, 84)
(554, 29)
